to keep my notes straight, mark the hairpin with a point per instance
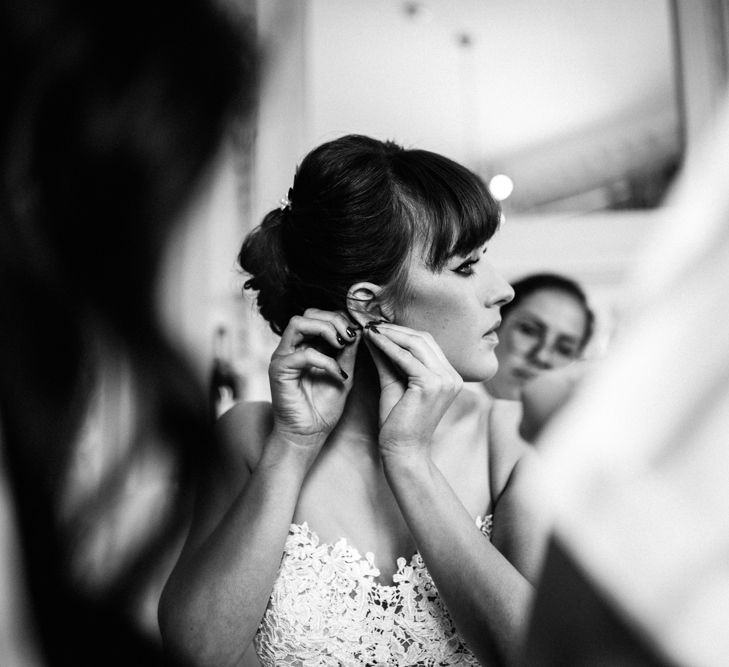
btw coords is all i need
(285, 202)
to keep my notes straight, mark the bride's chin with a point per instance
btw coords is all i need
(485, 372)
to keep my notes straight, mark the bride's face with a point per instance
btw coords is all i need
(459, 306)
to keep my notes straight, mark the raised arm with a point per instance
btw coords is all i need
(487, 595)
(217, 594)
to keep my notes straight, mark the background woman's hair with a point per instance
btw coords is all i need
(358, 207)
(110, 113)
(552, 281)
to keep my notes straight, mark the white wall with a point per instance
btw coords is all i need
(305, 69)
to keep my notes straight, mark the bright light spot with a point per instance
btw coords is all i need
(501, 186)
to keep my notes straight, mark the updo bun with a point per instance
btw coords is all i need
(357, 208)
(262, 256)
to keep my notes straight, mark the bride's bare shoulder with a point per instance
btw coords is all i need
(506, 445)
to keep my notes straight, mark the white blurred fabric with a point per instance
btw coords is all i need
(638, 462)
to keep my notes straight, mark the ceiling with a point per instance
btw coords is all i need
(574, 99)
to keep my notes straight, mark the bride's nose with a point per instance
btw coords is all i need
(499, 291)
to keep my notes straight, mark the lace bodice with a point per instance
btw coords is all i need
(326, 608)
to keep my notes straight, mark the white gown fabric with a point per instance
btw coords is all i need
(327, 608)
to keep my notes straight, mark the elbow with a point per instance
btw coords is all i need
(190, 636)
(171, 621)
(179, 631)
(166, 616)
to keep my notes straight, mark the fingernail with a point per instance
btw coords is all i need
(343, 373)
(373, 328)
(351, 332)
(340, 340)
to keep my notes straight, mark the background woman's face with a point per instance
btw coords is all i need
(544, 331)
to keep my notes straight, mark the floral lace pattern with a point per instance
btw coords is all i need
(327, 609)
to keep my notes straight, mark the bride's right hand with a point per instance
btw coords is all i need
(309, 387)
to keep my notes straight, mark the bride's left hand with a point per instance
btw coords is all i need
(417, 385)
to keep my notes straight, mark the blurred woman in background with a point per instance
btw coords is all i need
(547, 325)
(110, 114)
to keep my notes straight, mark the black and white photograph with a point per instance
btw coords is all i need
(364, 333)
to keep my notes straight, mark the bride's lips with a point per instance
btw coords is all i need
(491, 335)
(493, 329)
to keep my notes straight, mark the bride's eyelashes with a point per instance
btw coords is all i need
(466, 269)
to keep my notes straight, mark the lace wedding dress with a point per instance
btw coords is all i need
(327, 609)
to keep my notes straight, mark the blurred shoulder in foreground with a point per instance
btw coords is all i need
(637, 460)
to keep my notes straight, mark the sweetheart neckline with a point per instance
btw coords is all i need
(355, 554)
(414, 562)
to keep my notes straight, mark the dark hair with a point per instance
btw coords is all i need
(111, 112)
(552, 281)
(357, 208)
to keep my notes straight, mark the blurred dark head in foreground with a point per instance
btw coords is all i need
(110, 114)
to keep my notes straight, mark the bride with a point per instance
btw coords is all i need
(374, 512)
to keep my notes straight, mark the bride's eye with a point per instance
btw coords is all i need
(466, 269)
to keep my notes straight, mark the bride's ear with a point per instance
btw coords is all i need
(366, 303)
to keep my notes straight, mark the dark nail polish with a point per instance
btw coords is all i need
(351, 332)
(373, 328)
(340, 340)
(343, 373)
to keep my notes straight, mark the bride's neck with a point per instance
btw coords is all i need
(358, 427)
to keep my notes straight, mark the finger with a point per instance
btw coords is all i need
(339, 320)
(346, 330)
(418, 356)
(386, 370)
(303, 360)
(397, 354)
(428, 339)
(348, 356)
(421, 345)
(301, 328)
